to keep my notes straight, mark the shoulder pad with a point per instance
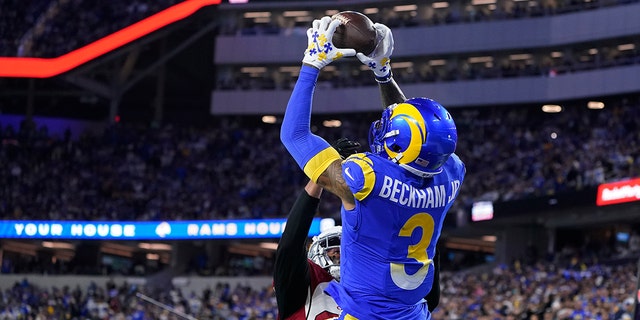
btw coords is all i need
(358, 174)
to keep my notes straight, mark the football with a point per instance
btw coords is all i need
(356, 31)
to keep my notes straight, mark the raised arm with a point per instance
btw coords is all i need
(312, 153)
(291, 277)
(390, 93)
(379, 61)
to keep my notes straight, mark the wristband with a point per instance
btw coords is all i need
(385, 79)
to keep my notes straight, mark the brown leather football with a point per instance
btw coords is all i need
(356, 32)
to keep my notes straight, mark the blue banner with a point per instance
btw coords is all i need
(158, 230)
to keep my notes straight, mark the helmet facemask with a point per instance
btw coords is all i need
(378, 130)
(325, 251)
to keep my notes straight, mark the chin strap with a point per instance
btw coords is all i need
(418, 172)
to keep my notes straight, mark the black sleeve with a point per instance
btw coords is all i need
(291, 270)
(433, 297)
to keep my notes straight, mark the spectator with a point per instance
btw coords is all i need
(543, 290)
(136, 173)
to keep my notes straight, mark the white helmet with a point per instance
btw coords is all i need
(326, 240)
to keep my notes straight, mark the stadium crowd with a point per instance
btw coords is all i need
(576, 289)
(44, 29)
(234, 169)
(39, 28)
(411, 14)
(133, 173)
(35, 28)
(238, 169)
(430, 69)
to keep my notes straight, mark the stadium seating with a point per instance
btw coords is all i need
(577, 289)
(236, 170)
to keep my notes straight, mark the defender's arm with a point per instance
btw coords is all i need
(291, 277)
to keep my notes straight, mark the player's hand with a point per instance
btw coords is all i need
(346, 147)
(379, 60)
(320, 50)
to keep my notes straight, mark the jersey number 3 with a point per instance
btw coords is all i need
(416, 251)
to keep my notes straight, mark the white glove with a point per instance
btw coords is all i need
(379, 60)
(321, 51)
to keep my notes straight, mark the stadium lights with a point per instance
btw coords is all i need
(153, 256)
(332, 123)
(409, 7)
(261, 14)
(484, 59)
(399, 65)
(524, 56)
(551, 108)
(295, 13)
(438, 62)
(253, 69)
(596, 105)
(482, 2)
(269, 119)
(58, 245)
(489, 238)
(155, 246)
(628, 46)
(262, 20)
(269, 245)
(440, 5)
(370, 11)
(556, 54)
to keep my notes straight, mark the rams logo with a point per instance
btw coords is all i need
(407, 133)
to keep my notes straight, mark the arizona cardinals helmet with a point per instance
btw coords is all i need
(329, 239)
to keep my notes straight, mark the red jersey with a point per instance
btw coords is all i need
(319, 305)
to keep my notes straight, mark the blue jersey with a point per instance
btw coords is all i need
(390, 237)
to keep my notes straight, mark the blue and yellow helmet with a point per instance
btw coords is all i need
(418, 134)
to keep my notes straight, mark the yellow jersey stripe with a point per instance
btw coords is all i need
(320, 162)
(369, 177)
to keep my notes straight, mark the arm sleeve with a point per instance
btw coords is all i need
(312, 153)
(433, 297)
(291, 271)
